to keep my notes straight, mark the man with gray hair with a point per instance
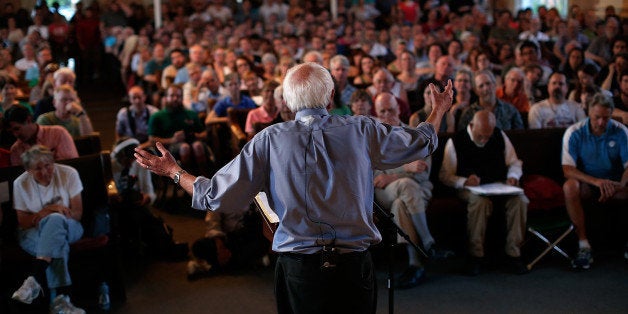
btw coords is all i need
(506, 115)
(339, 68)
(595, 164)
(60, 77)
(318, 174)
(405, 192)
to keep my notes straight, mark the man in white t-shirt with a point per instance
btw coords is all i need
(555, 111)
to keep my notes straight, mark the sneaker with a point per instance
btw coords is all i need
(411, 277)
(28, 292)
(266, 260)
(62, 305)
(436, 253)
(198, 268)
(583, 260)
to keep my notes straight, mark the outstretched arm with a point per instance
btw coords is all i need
(441, 102)
(165, 166)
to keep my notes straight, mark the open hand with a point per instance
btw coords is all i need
(163, 166)
(441, 101)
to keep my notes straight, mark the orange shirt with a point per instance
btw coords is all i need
(520, 100)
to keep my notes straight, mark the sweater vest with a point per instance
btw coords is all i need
(488, 162)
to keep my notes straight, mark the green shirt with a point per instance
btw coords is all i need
(164, 123)
(72, 124)
(341, 111)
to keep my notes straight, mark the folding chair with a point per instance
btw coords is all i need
(538, 228)
(547, 216)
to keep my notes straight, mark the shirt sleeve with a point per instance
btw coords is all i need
(568, 158)
(66, 148)
(534, 121)
(73, 184)
(512, 161)
(248, 126)
(447, 173)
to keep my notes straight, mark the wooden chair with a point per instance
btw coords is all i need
(88, 144)
(237, 121)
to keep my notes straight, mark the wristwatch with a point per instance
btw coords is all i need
(177, 176)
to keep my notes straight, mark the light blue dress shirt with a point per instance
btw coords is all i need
(318, 174)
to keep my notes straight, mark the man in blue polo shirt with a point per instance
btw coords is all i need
(595, 164)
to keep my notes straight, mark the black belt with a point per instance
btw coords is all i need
(316, 257)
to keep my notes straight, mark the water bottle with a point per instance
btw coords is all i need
(103, 298)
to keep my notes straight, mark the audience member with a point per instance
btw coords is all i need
(528, 53)
(594, 159)
(132, 120)
(191, 89)
(68, 113)
(181, 131)
(513, 90)
(361, 103)
(611, 73)
(9, 92)
(535, 90)
(586, 79)
(19, 121)
(265, 113)
(47, 199)
(447, 123)
(481, 154)
(464, 95)
(28, 59)
(556, 111)
(405, 192)
(600, 48)
(141, 231)
(339, 68)
(506, 115)
(409, 78)
(44, 56)
(366, 70)
(443, 72)
(235, 100)
(620, 113)
(62, 76)
(154, 68)
(177, 59)
(385, 82)
(210, 91)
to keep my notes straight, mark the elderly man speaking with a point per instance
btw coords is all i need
(318, 173)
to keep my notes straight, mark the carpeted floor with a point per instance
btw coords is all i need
(551, 287)
(162, 287)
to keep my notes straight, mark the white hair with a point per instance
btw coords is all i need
(307, 85)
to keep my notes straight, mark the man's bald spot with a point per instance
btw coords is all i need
(484, 118)
(386, 98)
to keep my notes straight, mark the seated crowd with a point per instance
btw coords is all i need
(534, 70)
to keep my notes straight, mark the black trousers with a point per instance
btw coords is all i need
(302, 286)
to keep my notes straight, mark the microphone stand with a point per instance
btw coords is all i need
(392, 230)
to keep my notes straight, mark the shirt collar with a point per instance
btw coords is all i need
(311, 112)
